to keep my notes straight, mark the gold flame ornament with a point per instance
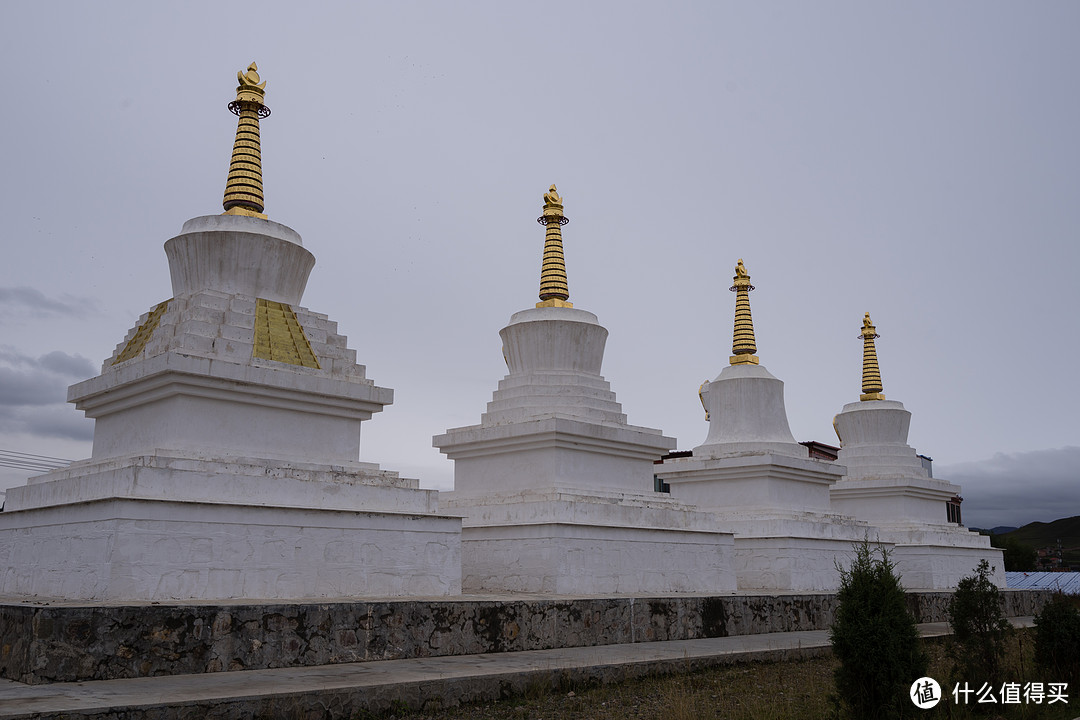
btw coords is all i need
(743, 344)
(871, 374)
(554, 290)
(244, 188)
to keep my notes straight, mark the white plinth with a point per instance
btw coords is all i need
(169, 527)
(553, 451)
(186, 400)
(752, 483)
(895, 499)
(565, 541)
(925, 562)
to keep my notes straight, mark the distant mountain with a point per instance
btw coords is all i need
(1040, 535)
(999, 530)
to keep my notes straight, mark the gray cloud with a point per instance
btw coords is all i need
(38, 304)
(1016, 489)
(25, 380)
(74, 366)
(58, 420)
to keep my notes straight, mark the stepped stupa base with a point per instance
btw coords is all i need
(937, 557)
(176, 526)
(794, 552)
(787, 536)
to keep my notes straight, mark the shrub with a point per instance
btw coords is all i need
(979, 626)
(1018, 556)
(1057, 638)
(875, 639)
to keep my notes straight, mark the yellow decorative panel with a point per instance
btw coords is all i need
(138, 341)
(279, 337)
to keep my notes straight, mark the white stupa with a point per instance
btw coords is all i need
(890, 486)
(758, 481)
(555, 487)
(226, 446)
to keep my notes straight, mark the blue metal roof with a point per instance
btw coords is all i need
(1067, 582)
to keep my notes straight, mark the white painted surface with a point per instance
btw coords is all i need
(553, 421)
(895, 498)
(873, 440)
(553, 451)
(927, 566)
(197, 387)
(747, 414)
(239, 255)
(155, 550)
(790, 563)
(762, 486)
(556, 489)
(217, 475)
(227, 480)
(570, 559)
(888, 485)
(762, 482)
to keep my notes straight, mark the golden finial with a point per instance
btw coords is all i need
(871, 375)
(243, 189)
(554, 291)
(743, 345)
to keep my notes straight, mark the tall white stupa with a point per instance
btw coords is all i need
(758, 481)
(556, 489)
(890, 486)
(226, 446)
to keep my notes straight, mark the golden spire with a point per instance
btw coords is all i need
(743, 345)
(554, 292)
(871, 375)
(243, 189)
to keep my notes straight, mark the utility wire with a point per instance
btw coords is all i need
(29, 461)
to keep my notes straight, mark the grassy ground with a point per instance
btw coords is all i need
(753, 691)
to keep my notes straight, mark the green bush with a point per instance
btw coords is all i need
(875, 639)
(1057, 638)
(979, 627)
(1018, 556)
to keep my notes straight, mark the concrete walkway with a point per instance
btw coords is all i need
(346, 689)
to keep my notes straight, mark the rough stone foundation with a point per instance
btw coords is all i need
(42, 644)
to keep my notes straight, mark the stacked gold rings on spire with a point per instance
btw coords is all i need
(743, 345)
(554, 290)
(871, 374)
(244, 189)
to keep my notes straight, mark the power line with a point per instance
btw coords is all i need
(29, 461)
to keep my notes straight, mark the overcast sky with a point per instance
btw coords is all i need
(915, 160)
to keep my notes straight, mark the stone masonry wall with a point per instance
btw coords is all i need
(41, 644)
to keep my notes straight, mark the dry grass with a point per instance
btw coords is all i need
(749, 691)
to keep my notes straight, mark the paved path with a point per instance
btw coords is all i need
(420, 682)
